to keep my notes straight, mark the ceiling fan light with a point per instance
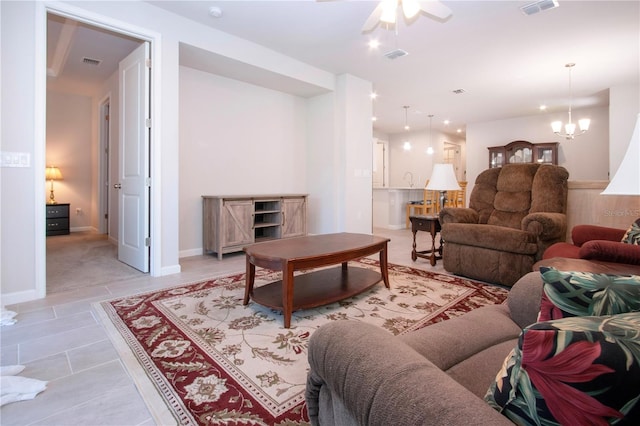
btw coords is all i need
(410, 8)
(388, 14)
(584, 124)
(556, 126)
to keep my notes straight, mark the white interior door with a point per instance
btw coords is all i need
(133, 160)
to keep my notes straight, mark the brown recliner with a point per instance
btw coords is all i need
(515, 212)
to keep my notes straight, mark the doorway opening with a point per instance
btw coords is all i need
(82, 71)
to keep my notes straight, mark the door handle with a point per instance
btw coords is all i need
(117, 185)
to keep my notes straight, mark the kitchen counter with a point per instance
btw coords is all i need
(389, 205)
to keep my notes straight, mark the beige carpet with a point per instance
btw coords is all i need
(83, 259)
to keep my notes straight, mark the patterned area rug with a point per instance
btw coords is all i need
(214, 361)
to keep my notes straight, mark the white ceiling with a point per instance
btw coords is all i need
(507, 63)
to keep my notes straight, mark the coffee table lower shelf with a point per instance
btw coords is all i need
(319, 288)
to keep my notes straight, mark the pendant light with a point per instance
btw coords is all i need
(430, 147)
(407, 145)
(570, 127)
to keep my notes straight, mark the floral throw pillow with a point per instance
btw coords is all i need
(632, 236)
(569, 294)
(573, 371)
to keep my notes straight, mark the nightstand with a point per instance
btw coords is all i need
(57, 219)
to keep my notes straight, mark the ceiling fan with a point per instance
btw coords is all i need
(388, 12)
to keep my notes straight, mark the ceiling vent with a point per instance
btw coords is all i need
(539, 6)
(91, 61)
(396, 53)
(459, 91)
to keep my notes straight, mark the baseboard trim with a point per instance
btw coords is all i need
(19, 297)
(170, 270)
(396, 227)
(83, 228)
(190, 252)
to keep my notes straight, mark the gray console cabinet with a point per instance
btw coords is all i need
(231, 222)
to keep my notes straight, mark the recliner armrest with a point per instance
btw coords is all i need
(610, 251)
(458, 215)
(580, 234)
(546, 226)
(380, 380)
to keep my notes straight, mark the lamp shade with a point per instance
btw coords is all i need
(443, 178)
(626, 181)
(52, 173)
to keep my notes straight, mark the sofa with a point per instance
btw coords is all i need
(438, 375)
(600, 243)
(515, 213)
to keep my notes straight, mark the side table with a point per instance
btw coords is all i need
(430, 224)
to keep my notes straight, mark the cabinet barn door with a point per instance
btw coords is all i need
(237, 217)
(294, 221)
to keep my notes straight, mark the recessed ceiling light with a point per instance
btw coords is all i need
(374, 118)
(543, 107)
(446, 122)
(459, 130)
(374, 44)
(373, 95)
(215, 11)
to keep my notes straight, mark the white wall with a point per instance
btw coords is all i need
(354, 140)
(70, 144)
(323, 174)
(623, 110)
(584, 157)
(23, 38)
(235, 138)
(416, 161)
(19, 200)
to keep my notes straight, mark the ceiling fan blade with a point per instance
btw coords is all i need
(435, 9)
(374, 19)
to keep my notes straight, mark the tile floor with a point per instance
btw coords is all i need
(60, 339)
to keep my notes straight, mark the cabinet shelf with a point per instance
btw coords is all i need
(265, 224)
(523, 152)
(263, 239)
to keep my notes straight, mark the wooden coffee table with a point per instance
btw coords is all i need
(318, 287)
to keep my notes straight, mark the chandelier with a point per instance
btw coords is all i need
(570, 127)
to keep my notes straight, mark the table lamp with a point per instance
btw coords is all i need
(52, 173)
(443, 179)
